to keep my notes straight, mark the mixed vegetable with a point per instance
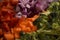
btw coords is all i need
(30, 20)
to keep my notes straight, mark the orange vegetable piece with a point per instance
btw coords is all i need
(9, 36)
(17, 30)
(17, 36)
(28, 29)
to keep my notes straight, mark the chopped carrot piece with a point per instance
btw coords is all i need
(9, 36)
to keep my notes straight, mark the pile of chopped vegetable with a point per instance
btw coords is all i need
(30, 20)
